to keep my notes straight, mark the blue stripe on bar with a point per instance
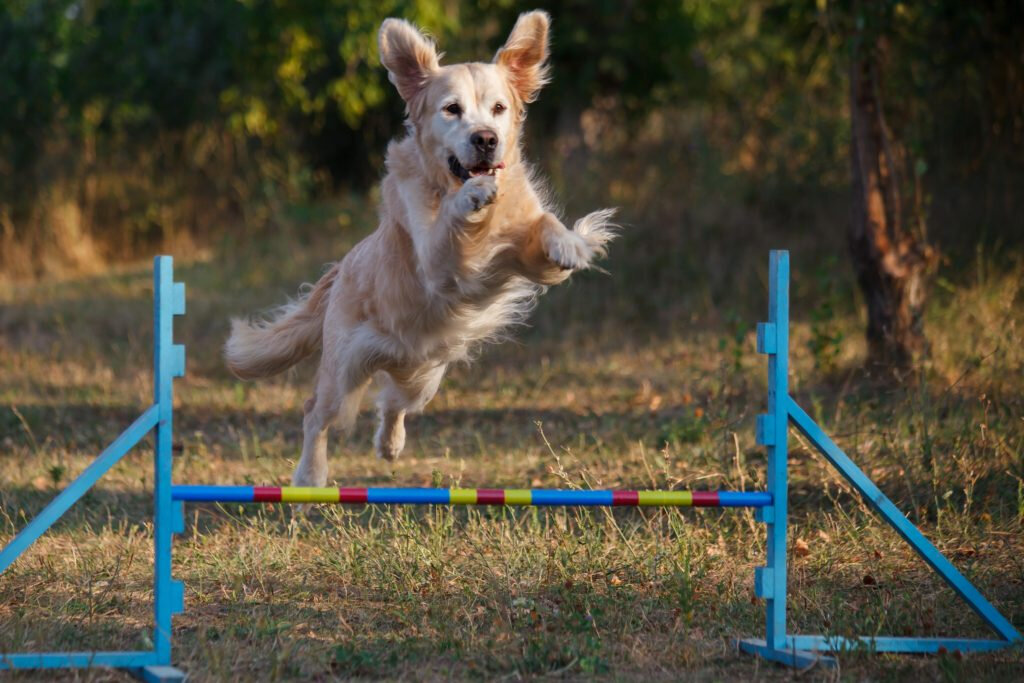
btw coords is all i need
(402, 496)
(213, 494)
(571, 497)
(744, 499)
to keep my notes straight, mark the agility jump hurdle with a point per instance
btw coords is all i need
(526, 497)
(770, 506)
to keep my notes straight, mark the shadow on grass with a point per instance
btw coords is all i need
(484, 433)
(91, 427)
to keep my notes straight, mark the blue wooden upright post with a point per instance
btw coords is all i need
(772, 433)
(168, 363)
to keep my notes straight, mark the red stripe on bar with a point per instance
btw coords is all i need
(490, 496)
(705, 499)
(625, 498)
(266, 494)
(352, 494)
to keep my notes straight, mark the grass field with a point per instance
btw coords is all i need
(598, 393)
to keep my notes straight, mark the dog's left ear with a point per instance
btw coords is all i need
(525, 54)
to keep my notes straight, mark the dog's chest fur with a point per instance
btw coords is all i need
(423, 316)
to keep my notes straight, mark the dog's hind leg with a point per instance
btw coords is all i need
(312, 467)
(404, 391)
(390, 437)
(341, 383)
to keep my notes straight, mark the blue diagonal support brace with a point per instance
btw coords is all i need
(79, 487)
(898, 521)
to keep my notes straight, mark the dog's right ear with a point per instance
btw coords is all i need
(408, 55)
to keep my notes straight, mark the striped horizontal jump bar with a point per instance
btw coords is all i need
(426, 496)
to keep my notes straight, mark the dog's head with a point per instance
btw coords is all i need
(467, 116)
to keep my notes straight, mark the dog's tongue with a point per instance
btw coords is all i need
(485, 170)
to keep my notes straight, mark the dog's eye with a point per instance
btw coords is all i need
(498, 108)
(454, 109)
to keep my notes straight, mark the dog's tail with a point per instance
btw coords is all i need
(266, 347)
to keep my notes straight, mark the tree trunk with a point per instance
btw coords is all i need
(891, 262)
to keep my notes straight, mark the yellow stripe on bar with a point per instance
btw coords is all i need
(665, 498)
(463, 497)
(518, 497)
(309, 494)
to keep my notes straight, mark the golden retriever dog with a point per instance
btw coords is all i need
(465, 244)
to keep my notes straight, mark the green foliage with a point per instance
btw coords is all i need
(736, 343)
(637, 54)
(32, 53)
(351, 661)
(150, 116)
(133, 69)
(132, 122)
(689, 427)
(827, 337)
(56, 473)
(773, 77)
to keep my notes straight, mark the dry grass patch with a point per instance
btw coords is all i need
(423, 594)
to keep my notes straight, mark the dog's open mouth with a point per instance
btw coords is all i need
(464, 174)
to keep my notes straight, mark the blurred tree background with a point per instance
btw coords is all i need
(132, 125)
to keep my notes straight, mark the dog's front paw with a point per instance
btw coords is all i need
(597, 230)
(567, 250)
(578, 248)
(477, 193)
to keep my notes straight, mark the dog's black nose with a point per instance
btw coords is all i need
(484, 140)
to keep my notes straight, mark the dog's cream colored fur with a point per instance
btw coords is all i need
(452, 262)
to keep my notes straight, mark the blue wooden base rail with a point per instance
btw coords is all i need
(771, 508)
